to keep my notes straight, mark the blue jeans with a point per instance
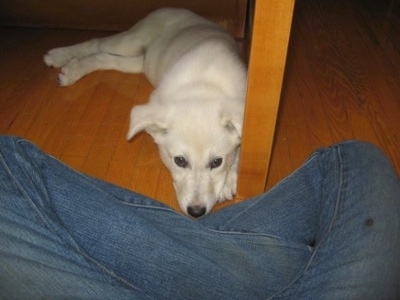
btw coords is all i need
(331, 230)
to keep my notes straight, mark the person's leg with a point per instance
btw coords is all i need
(344, 202)
(356, 254)
(38, 258)
(63, 233)
(259, 248)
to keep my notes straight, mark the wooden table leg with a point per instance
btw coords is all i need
(269, 43)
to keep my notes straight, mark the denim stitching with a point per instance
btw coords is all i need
(339, 196)
(48, 225)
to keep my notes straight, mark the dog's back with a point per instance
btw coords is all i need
(178, 33)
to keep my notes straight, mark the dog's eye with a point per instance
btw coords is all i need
(180, 161)
(216, 162)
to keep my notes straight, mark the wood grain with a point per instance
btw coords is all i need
(342, 81)
(269, 42)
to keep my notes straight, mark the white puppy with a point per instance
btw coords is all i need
(195, 113)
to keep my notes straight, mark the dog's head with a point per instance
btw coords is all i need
(198, 142)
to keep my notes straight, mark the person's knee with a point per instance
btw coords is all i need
(362, 151)
(365, 157)
(373, 181)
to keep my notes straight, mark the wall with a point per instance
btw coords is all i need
(113, 15)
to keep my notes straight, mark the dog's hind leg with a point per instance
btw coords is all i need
(77, 68)
(131, 42)
(123, 44)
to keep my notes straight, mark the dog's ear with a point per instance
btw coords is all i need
(233, 126)
(148, 117)
(232, 120)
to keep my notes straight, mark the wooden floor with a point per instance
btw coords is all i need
(342, 82)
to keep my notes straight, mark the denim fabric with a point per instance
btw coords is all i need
(331, 230)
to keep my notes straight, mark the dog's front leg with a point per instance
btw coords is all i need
(229, 189)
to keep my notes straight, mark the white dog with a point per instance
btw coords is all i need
(195, 112)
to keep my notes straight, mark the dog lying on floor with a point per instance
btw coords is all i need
(195, 112)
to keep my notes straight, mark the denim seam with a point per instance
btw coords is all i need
(147, 206)
(280, 241)
(84, 254)
(88, 178)
(48, 225)
(22, 190)
(339, 197)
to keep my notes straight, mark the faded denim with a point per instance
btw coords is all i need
(331, 230)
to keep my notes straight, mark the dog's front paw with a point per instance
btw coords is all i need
(229, 189)
(57, 57)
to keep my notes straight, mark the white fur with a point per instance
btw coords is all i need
(196, 109)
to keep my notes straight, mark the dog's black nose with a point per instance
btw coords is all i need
(196, 211)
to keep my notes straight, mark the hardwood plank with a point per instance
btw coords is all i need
(343, 57)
